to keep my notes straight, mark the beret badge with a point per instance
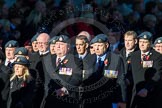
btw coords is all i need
(9, 45)
(145, 36)
(54, 41)
(18, 60)
(60, 39)
(20, 52)
(99, 40)
(159, 41)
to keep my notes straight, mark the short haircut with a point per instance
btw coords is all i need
(82, 37)
(132, 33)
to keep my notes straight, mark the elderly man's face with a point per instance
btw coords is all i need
(100, 48)
(61, 49)
(144, 45)
(158, 47)
(43, 42)
(9, 52)
(81, 46)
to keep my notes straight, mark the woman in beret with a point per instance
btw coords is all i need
(21, 85)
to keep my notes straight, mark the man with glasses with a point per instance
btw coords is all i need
(36, 64)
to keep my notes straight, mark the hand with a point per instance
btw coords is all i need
(121, 105)
(62, 92)
(142, 93)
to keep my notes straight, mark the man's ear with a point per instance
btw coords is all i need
(136, 41)
(107, 44)
(87, 45)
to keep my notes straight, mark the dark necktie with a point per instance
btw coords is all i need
(58, 61)
(99, 64)
(9, 64)
(80, 57)
(143, 56)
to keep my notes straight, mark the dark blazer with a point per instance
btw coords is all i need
(55, 80)
(21, 93)
(5, 73)
(36, 70)
(138, 71)
(128, 66)
(128, 74)
(110, 89)
(87, 62)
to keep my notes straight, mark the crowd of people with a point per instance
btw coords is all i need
(81, 67)
(91, 74)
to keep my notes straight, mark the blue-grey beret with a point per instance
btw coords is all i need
(100, 38)
(63, 38)
(12, 43)
(145, 35)
(158, 40)
(34, 38)
(53, 40)
(21, 51)
(21, 60)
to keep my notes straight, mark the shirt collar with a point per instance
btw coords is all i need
(146, 53)
(82, 56)
(7, 61)
(102, 57)
(62, 58)
(43, 53)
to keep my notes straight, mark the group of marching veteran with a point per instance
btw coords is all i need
(85, 73)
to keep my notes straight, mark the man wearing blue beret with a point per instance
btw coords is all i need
(34, 42)
(62, 73)
(21, 51)
(52, 42)
(107, 72)
(10, 47)
(144, 91)
(158, 45)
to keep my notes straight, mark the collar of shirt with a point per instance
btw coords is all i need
(102, 57)
(62, 58)
(128, 52)
(82, 56)
(146, 53)
(7, 61)
(43, 53)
